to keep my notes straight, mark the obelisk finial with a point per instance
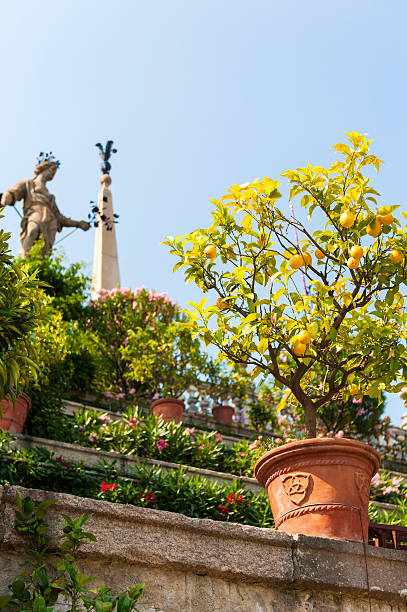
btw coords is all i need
(105, 154)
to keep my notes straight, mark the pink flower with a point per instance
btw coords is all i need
(132, 391)
(360, 412)
(375, 481)
(254, 444)
(120, 395)
(156, 396)
(241, 454)
(282, 419)
(161, 444)
(278, 440)
(93, 437)
(283, 357)
(378, 427)
(126, 342)
(340, 434)
(191, 432)
(218, 437)
(106, 418)
(357, 401)
(388, 490)
(200, 447)
(108, 394)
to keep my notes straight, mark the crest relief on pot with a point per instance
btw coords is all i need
(297, 486)
(362, 483)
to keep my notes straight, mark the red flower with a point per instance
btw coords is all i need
(107, 487)
(62, 461)
(223, 509)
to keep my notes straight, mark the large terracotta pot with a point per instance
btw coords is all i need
(14, 417)
(223, 414)
(168, 409)
(320, 487)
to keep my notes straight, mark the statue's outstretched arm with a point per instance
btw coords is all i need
(67, 222)
(11, 196)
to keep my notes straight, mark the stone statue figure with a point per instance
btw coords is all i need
(41, 216)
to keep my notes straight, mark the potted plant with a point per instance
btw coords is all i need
(166, 365)
(224, 388)
(320, 311)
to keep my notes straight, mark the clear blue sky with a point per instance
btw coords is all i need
(197, 95)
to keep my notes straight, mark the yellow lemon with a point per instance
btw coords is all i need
(354, 390)
(347, 219)
(319, 254)
(304, 336)
(374, 229)
(295, 261)
(356, 252)
(299, 348)
(396, 256)
(352, 263)
(210, 252)
(386, 219)
(307, 258)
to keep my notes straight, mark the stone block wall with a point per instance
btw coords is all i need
(208, 566)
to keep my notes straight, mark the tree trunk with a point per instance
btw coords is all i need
(310, 420)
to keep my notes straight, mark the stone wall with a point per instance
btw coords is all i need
(208, 566)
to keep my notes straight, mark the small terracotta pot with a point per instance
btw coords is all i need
(223, 414)
(320, 487)
(14, 416)
(168, 409)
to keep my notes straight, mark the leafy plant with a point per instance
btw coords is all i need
(21, 309)
(43, 583)
(143, 345)
(345, 335)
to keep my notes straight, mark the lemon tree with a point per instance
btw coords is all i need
(346, 336)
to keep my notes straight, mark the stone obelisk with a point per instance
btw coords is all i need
(106, 274)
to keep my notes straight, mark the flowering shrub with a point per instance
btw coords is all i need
(389, 488)
(143, 345)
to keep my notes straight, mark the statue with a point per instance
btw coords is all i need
(41, 215)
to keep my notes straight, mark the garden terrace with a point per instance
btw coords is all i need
(81, 470)
(192, 564)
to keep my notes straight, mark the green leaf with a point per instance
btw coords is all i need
(39, 604)
(251, 317)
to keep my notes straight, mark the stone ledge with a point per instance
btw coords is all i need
(125, 463)
(140, 537)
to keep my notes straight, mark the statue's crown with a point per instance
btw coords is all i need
(47, 157)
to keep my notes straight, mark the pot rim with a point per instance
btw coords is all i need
(314, 446)
(223, 406)
(166, 400)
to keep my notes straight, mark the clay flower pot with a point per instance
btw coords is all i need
(168, 409)
(14, 416)
(320, 487)
(223, 414)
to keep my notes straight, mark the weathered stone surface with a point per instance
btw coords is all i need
(208, 566)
